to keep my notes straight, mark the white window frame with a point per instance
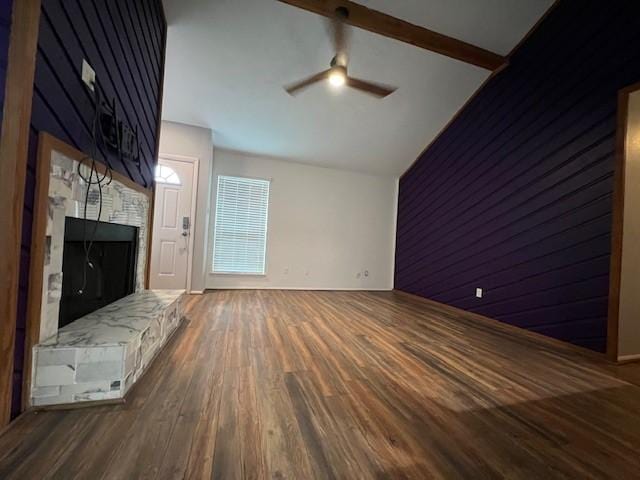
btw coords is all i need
(215, 223)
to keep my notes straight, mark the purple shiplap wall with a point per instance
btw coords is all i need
(124, 41)
(515, 195)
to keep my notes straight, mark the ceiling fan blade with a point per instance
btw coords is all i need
(378, 90)
(296, 87)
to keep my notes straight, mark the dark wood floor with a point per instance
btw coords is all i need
(304, 385)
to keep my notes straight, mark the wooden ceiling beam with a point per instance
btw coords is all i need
(392, 27)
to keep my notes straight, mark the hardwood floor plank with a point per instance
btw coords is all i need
(227, 457)
(315, 438)
(197, 409)
(346, 385)
(284, 452)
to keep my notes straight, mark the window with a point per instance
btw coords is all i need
(166, 174)
(240, 231)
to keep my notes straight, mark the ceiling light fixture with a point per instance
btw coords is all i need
(338, 76)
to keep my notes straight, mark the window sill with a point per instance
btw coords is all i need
(238, 274)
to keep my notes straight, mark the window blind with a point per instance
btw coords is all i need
(240, 231)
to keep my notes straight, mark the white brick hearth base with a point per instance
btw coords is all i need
(99, 356)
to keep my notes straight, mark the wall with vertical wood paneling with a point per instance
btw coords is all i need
(515, 195)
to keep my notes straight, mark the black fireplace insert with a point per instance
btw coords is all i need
(107, 274)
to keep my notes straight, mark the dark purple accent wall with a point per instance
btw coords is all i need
(515, 195)
(124, 41)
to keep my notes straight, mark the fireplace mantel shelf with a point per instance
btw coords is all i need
(101, 355)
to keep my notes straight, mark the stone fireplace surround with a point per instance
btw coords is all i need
(101, 355)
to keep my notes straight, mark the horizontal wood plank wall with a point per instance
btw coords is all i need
(515, 196)
(124, 42)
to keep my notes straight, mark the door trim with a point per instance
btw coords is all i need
(615, 268)
(195, 161)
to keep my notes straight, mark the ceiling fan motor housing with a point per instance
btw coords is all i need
(342, 13)
(336, 62)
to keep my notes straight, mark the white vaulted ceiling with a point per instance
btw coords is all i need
(227, 61)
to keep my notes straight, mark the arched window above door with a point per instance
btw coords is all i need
(165, 174)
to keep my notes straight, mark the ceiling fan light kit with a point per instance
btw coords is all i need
(337, 73)
(338, 76)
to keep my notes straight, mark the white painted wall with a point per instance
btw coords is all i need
(324, 227)
(190, 141)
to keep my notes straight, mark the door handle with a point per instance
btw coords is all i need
(186, 225)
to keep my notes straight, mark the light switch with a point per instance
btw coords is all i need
(88, 75)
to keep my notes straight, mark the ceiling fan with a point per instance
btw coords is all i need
(337, 73)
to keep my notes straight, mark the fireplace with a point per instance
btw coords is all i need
(106, 274)
(90, 341)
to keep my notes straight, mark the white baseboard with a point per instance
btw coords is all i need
(322, 289)
(196, 292)
(628, 358)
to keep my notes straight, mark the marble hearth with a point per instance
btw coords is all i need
(99, 356)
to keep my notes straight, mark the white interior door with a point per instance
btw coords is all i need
(171, 248)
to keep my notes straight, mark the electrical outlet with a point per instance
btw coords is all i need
(478, 292)
(88, 75)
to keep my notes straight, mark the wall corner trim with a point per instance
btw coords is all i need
(14, 144)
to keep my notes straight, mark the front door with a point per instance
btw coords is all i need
(172, 218)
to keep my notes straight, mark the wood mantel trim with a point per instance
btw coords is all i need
(34, 295)
(47, 144)
(14, 147)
